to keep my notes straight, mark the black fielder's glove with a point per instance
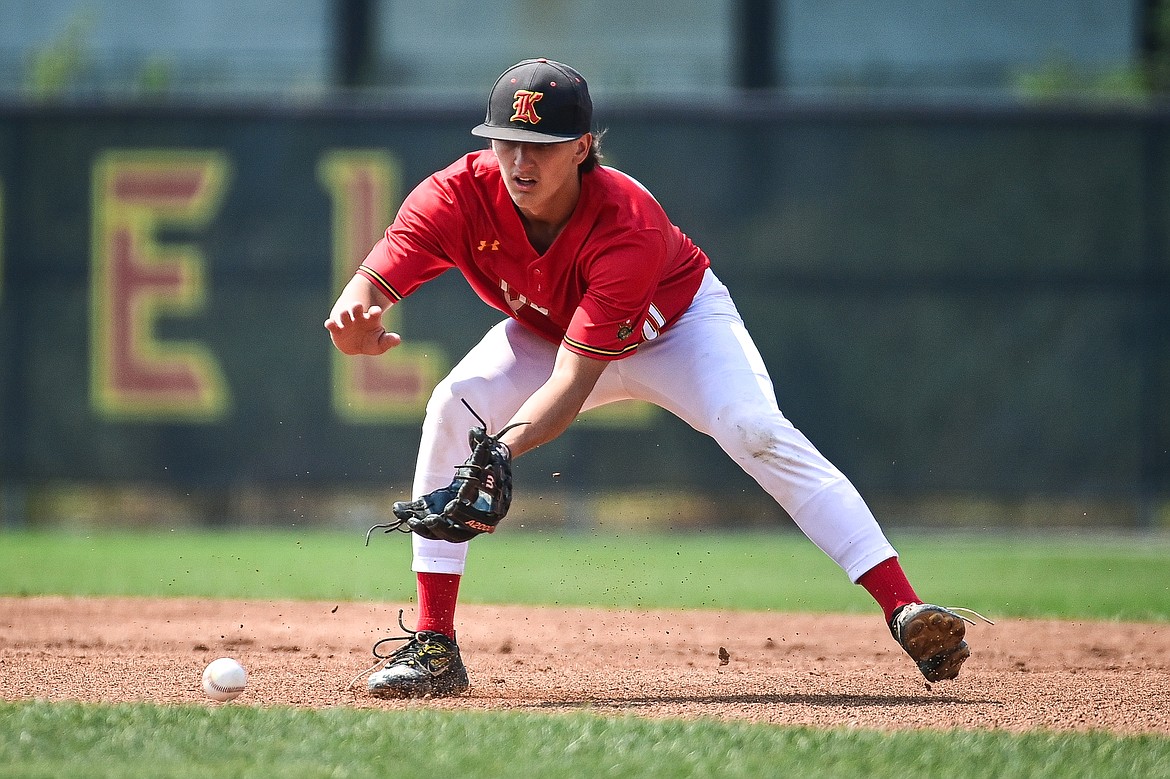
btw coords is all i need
(473, 503)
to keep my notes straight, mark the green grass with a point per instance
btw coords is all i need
(41, 740)
(1067, 577)
(1072, 577)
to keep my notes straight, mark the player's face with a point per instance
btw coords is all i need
(542, 177)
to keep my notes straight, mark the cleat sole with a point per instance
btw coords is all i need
(934, 640)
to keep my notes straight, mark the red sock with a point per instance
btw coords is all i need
(888, 585)
(437, 593)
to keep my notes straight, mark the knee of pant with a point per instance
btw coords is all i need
(759, 436)
(446, 402)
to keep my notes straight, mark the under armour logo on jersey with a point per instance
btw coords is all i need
(489, 245)
(525, 106)
(516, 302)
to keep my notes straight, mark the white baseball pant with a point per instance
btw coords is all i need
(706, 370)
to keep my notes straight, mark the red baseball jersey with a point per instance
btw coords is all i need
(618, 274)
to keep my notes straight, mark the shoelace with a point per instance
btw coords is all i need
(957, 609)
(410, 637)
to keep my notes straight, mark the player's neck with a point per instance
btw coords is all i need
(541, 234)
(542, 227)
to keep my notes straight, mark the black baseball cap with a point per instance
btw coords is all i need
(538, 101)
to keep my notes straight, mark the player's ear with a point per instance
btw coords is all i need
(584, 143)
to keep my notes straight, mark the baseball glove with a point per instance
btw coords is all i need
(473, 503)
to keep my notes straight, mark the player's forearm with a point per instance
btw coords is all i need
(547, 418)
(551, 409)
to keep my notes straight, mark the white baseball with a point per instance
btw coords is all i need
(224, 679)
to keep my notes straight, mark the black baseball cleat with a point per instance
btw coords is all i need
(933, 637)
(428, 664)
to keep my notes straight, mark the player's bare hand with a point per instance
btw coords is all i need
(358, 330)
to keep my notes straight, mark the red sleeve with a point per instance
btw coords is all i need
(621, 281)
(412, 252)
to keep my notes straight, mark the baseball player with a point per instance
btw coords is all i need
(605, 300)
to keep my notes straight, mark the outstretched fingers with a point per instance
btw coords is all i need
(353, 315)
(356, 329)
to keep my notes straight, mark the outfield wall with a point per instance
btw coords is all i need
(951, 300)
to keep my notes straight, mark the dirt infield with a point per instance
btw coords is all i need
(789, 669)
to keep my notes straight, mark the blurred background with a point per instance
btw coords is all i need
(947, 226)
